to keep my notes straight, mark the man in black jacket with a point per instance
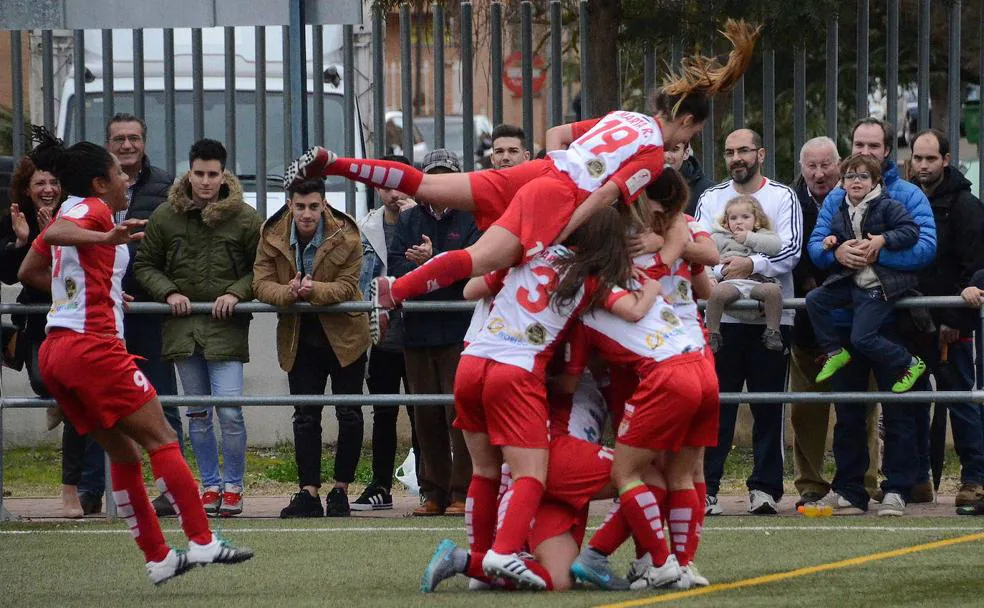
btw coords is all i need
(960, 252)
(433, 343)
(126, 138)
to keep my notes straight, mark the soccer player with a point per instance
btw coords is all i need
(87, 367)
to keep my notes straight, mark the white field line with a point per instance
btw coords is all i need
(461, 529)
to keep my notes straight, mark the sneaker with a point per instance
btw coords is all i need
(232, 502)
(311, 164)
(809, 498)
(843, 506)
(831, 364)
(163, 507)
(893, 505)
(511, 567)
(593, 567)
(303, 504)
(219, 551)
(337, 504)
(448, 559)
(92, 504)
(969, 494)
(772, 339)
(711, 506)
(211, 500)
(656, 577)
(174, 564)
(974, 509)
(922, 493)
(908, 378)
(715, 341)
(373, 498)
(696, 577)
(760, 503)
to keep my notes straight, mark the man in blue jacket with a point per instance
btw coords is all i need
(906, 425)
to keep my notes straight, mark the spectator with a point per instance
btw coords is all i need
(819, 174)
(959, 221)
(508, 146)
(126, 138)
(743, 358)
(387, 368)
(681, 157)
(309, 252)
(200, 247)
(906, 425)
(433, 344)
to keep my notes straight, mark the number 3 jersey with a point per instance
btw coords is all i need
(86, 289)
(525, 327)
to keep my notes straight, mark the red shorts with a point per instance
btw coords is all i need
(703, 431)
(578, 471)
(541, 210)
(493, 189)
(93, 378)
(660, 413)
(504, 401)
(553, 519)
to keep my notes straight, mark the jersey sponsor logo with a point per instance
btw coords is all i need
(654, 341)
(536, 334)
(639, 180)
(667, 315)
(77, 212)
(495, 325)
(596, 168)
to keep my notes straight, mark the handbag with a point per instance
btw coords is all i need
(14, 344)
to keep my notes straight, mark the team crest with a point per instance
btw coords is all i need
(683, 292)
(670, 318)
(536, 334)
(70, 288)
(596, 168)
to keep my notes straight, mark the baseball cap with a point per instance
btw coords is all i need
(442, 158)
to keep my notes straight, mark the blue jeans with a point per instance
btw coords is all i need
(871, 308)
(965, 418)
(220, 379)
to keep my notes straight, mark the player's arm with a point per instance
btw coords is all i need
(604, 196)
(35, 270)
(633, 305)
(561, 136)
(486, 285)
(65, 232)
(702, 250)
(675, 240)
(702, 285)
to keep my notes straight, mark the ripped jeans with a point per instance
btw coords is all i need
(220, 379)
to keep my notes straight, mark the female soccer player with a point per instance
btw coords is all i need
(88, 369)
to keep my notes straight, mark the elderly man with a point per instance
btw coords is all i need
(819, 174)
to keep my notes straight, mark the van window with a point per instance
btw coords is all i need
(214, 114)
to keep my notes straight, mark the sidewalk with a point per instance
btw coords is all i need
(268, 507)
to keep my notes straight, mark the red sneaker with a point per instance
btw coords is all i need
(311, 164)
(232, 504)
(211, 499)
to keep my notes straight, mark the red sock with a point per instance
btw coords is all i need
(519, 506)
(701, 488)
(474, 570)
(134, 506)
(480, 513)
(505, 481)
(613, 532)
(684, 518)
(642, 512)
(439, 272)
(378, 173)
(174, 480)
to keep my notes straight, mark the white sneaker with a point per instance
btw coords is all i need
(696, 577)
(219, 551)
(174, 564)
(510, 567)
(892, 505)
(760, 503)
(658, 576)
(711, 506)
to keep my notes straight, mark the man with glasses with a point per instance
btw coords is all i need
(744, 359)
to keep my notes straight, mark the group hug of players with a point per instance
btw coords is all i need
(572, 331)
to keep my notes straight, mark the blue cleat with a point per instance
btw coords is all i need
(448, 560)
(593, 567)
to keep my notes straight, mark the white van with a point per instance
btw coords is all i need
(214, 104)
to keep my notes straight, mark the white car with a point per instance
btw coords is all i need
(394, 137)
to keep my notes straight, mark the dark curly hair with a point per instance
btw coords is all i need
(20, 187)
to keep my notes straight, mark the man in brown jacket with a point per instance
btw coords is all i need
(309, 252)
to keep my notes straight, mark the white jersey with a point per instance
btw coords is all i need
(624, 147)
(483, 308)
(524, 327)
(86, 281)
(584, 416)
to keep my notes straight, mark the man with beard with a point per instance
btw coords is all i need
(819, 174)
(906, 425)
(959, 220)
(744, 359)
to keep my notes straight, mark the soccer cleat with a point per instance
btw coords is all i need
(373, 498)
(656, 577)
(711, 506)
(638, 568)
(476, 585)
(833, 364)
(593, 567)
(760, 503)
(696, 577)
(232, 503)
(511, 567)
(211, 500)
(381, 296)
(219, 551)
(908, 378)
(311, 164)
(893, 505)
(442, 565)
(174, 564)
